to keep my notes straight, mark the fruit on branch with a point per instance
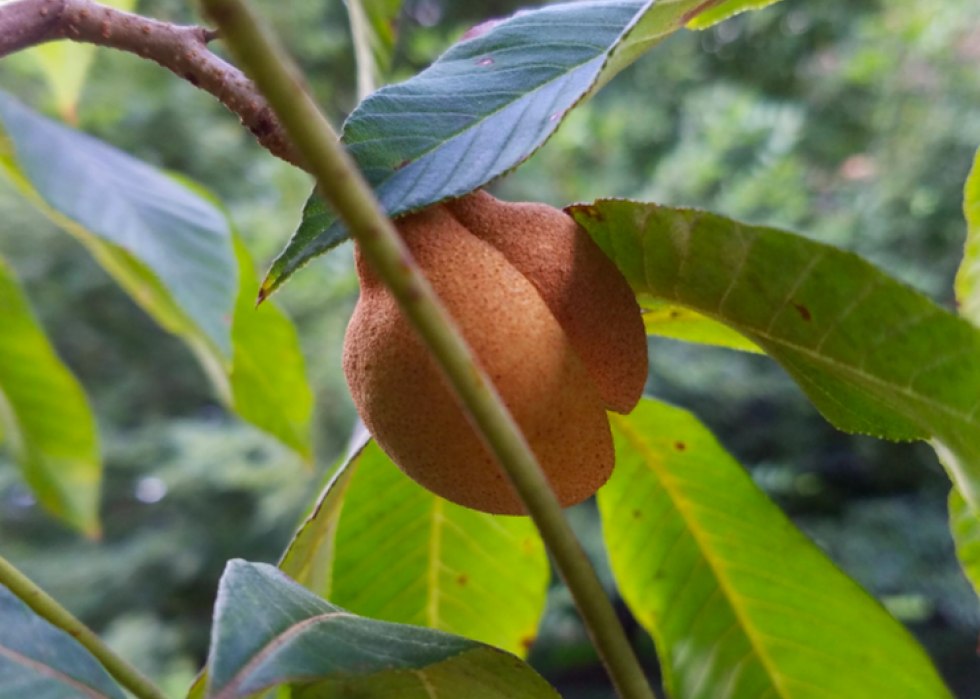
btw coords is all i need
(509, 319)
(585, 292)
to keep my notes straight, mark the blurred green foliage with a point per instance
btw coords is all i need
(854, 122)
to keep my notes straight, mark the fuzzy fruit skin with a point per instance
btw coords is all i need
(585, 292)
(407, 404)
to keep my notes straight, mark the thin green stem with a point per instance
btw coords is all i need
(46, 607)
(344, 187)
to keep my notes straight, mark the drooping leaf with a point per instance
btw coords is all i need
(169, 248)
(38, 659)
(268, 631)
(268, 375)
(679, 323)
(374, 25)
(723, 10)
(873, 355)
(740, 603)
(383, 547)
(66, 64)
(968, 277)
(965, 526)
(484, 107)
(45, 415)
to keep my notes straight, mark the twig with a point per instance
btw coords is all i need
(183, 50)
(345, 188)
(45, 607)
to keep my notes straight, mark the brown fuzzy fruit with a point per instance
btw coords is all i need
(583, 289)
(407, 404)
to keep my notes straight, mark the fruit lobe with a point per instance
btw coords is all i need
(580, 285)
(407, 404)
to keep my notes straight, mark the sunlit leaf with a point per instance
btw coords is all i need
(45, 416)
(66, 64)
(679, 323)
(383, 547)
(484, 107)
(169, 248)
(268, 375)
(268, 630)
(968, 277)
(724, 10)
(874, 356)
(740, 603)
(39, 660)
(966, 533)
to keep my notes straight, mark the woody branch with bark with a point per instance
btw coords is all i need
(181, 49)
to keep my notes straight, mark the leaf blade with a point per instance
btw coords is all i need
(270, 631)
(483, 108)
(45, 415)
(123, 209)
(729, 588)
(873, 355)
(39, 659)
(460, 571)
(968, 276)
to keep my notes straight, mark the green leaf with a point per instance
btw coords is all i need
(310, 555)
(45, 416)
(724, 10)
(374, 24)
(679, 323)
(873, 355)
(65, 64)
(268, 376)
(966, 534)
(968, 277)
(169, 248)
(740, 603)
(383, 547)
(37, 659)
(483, 108)
(172, 248)
(269, 631)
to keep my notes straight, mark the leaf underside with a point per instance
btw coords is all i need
(483, 108)
(269, 630)
(38, 659)
(874, 356)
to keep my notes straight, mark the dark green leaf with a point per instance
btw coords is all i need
(169, 248)
(39, 660)
(45, 416)
(484, 107)
(268, 631)
(740, 603)
(382, 546)
(873, 355)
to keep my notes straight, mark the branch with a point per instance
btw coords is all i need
(345, 188)
(183, 50)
